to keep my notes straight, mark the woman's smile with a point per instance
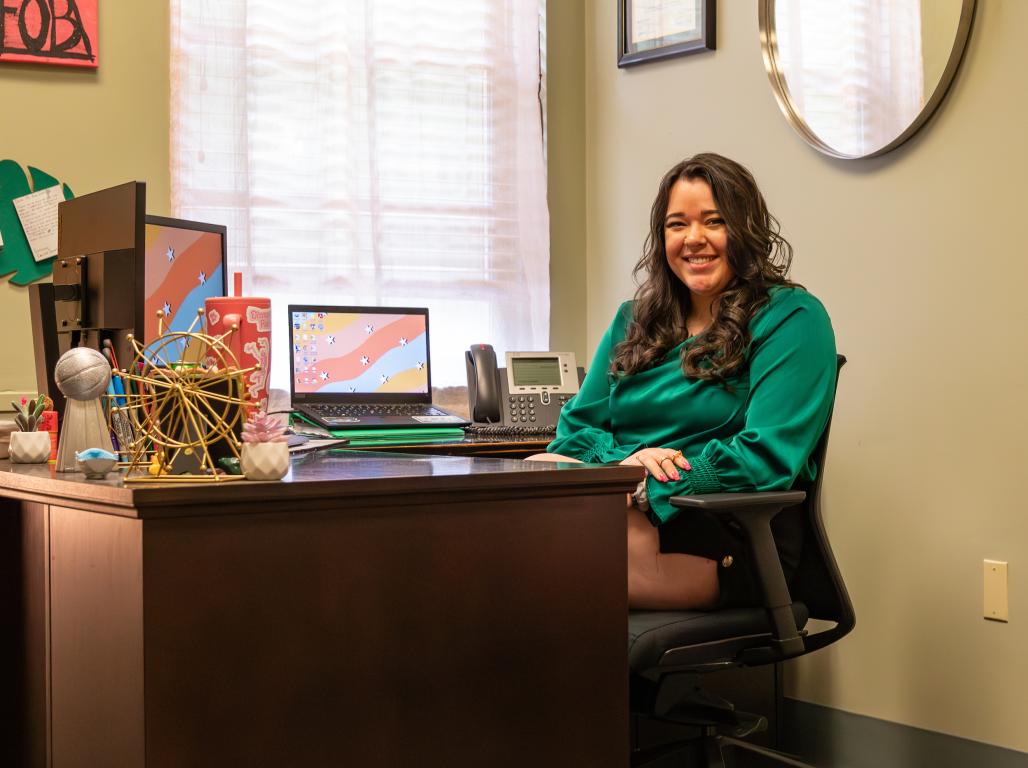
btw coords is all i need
(699, 261)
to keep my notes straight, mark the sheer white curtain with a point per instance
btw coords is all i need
(854, 67)
(382, 152)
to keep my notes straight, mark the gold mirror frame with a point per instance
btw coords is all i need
(769, 49)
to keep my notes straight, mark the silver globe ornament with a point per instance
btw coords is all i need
(82, 373)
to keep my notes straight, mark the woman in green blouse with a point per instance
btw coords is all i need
(719, 376)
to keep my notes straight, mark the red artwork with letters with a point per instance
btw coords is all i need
(60, 32)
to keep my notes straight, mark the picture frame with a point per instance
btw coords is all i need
(50, 32)
(651, 30)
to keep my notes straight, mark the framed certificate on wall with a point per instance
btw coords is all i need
(659, 29)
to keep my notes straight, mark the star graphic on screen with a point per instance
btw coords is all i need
(369, 329)
(365, 360)
(383, 379)
(203, 278)
(331, 339)
(403, 341)
(324, 375)
(167, 309)
(420, 365)
(171, 253)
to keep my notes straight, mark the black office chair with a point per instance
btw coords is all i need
(668, 651)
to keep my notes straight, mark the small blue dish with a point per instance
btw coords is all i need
(95, 463)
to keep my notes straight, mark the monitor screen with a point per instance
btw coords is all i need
(184, 264)
(359, 352)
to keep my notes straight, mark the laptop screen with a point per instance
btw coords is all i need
(359, 354)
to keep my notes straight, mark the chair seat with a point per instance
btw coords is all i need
(651, 634)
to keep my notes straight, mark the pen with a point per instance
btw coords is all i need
(119, 386)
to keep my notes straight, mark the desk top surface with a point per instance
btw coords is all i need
(324, 476)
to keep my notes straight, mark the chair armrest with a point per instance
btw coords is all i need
(753, 512)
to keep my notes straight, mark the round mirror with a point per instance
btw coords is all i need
(857, 78)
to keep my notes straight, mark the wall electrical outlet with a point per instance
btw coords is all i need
(995, 595)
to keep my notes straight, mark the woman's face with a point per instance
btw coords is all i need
(695, 239)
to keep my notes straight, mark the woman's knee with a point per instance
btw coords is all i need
(643, 543)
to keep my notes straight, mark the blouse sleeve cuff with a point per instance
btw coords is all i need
(700, 479)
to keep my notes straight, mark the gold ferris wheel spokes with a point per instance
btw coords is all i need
(179, 410)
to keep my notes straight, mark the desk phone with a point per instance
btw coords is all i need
(527, 395)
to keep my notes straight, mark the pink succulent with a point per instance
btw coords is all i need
(264, 428)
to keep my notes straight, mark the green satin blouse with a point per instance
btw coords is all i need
(755, 435)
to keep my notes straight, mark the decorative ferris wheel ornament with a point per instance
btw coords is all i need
(184, 393)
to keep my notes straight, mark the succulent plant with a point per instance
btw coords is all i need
(27, 414)
(264, 428)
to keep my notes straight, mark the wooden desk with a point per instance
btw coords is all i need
(371, 610)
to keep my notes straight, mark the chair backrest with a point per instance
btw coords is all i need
(817, 581)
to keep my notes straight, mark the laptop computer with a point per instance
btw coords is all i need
(363, 368)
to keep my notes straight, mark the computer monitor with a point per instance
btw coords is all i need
(113, 271)
(183, 265)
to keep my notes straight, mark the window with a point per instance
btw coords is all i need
(385, 152)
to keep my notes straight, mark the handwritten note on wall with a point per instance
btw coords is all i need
(38, 215)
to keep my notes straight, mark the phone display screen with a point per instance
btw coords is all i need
(535, 371)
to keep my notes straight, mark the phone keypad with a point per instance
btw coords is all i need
(521, 408)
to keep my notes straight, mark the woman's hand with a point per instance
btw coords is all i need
(662, 463)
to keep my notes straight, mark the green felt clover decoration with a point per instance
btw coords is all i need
(16, 259)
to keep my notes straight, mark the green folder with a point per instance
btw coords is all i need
(370, 437)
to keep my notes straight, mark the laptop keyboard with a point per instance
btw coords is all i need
(358, 411)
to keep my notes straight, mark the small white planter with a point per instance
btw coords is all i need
(30, 447)
(264, 461)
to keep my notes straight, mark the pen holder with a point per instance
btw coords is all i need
(250, 343)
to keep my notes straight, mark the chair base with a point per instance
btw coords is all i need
(758, 756)
(712, 750)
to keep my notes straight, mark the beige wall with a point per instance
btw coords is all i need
(565, 102)
(918, 256)
(91, 130)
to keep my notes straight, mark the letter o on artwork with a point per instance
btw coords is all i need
(36, 43)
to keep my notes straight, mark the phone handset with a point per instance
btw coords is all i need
(483, 384)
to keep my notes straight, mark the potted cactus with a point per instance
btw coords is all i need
(265, 454)
(29, 446)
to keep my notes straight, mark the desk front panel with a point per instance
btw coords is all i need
(443, 635)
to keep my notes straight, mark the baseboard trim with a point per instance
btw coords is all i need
(830, 737)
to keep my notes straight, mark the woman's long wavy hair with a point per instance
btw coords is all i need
(758, 255)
